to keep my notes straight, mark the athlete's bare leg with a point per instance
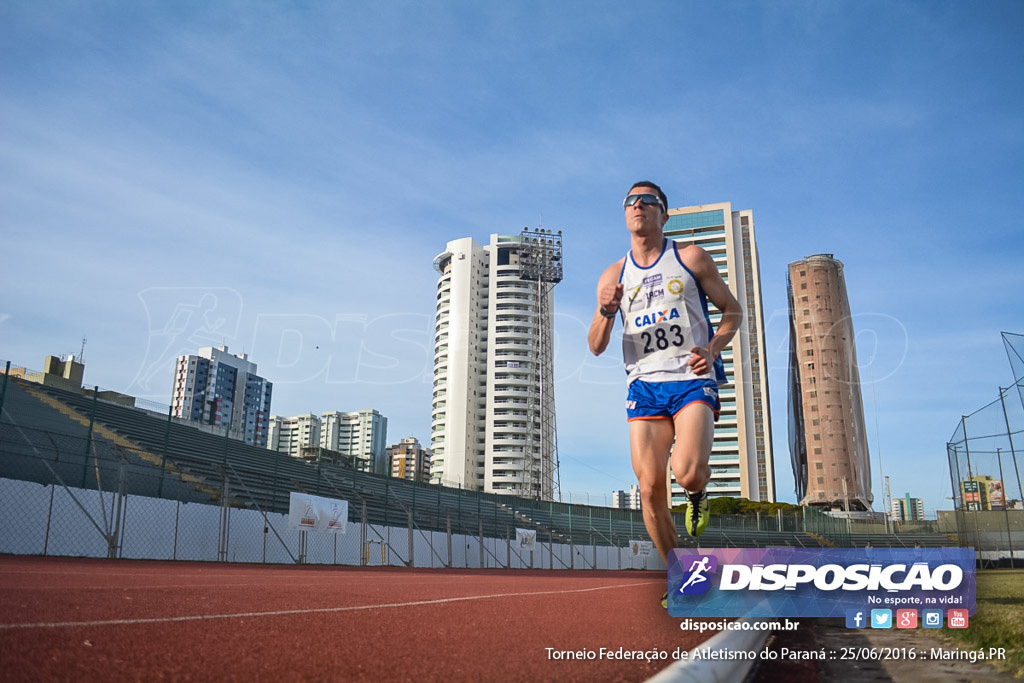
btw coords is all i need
(650, 443)
(695, 433)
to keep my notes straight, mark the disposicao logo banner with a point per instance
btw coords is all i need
(817, 582)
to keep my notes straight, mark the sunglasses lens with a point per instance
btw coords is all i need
(649, 199)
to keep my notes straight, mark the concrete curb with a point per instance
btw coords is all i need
(702, 670)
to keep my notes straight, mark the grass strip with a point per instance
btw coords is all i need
(998, 620)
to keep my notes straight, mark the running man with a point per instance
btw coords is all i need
(673, 358)
(697, 570)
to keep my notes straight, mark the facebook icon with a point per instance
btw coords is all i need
(855, 618)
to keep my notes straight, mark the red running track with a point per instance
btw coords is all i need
(84, 619)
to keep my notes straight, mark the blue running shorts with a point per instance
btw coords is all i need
(665, 400)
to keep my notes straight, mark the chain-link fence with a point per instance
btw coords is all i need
(62, 495)
(984, 463)
(80, 475)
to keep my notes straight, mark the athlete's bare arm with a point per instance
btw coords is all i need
(609, 294)
(703, 267)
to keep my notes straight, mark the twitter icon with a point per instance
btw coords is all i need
(881, 618)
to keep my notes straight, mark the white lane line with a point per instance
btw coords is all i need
(318, 610)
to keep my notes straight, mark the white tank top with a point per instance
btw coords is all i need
(664, 313)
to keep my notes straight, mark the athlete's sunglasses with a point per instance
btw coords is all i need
(649, 199)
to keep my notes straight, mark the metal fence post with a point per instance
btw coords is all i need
(163, 457)
(49, 520)
(572, 549)
(117, 516)
(363, 551)
(177, 515)
(551, 550)
(225, 520)
(970, 475)
(412, 559)
(88, 438)
(266, 530)
(3, 389)
(1013, 453)
(227, 435)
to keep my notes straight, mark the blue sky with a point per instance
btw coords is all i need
(279, 176)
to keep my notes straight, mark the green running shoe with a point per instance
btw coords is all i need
(698, 513)
(664, 600)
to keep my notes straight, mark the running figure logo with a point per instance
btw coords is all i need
(696, 581)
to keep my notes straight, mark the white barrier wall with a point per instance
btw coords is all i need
(51, 520)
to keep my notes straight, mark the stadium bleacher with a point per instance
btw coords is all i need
(45, 433)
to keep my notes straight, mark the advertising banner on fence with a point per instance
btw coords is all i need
(641, 548)
(818, 582)
(314, 513)
(526, 539)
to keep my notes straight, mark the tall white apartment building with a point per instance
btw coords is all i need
(290, 434)
(493, 426)
(741, 457)
(218, 388)
(361, 433)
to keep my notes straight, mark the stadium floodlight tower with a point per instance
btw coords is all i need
(540, 261)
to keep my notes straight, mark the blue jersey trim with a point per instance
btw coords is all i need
(719, 363)
(664, 244)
